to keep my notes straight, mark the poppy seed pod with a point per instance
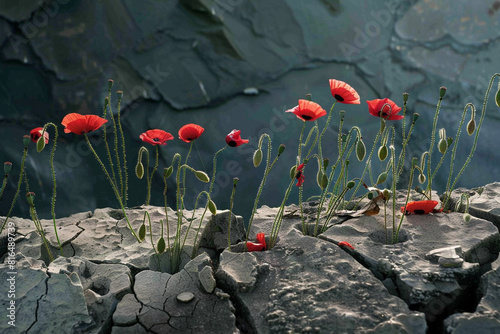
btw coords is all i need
(471, 126)
(442, 92)
(110, 84)
(360, 150)
(30, 197)
(381, 178)
(442, 146)
(212, 207)
(342, 114)
(139, 170)
(257, 157)
(119, 94)
(383, 152)
(309, 97)
(168, 171)
(415, 117)
(26, 140)
(467, 217)
(281, 149)
(142, 232)
(7, 166)
(202, 176)
(235, 181)
(421, 178)
(405, 97)
(40, 144)
(161, 245)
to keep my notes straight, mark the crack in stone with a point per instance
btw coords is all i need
(38, 301)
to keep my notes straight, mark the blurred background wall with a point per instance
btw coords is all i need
(193, 61)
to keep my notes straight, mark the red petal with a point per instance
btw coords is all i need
(348, 94)
(255, 247)
(190, 132)
(261, 238)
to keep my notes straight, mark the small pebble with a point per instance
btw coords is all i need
(185, 297)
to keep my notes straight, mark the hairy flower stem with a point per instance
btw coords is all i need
(117, 155)
(19, 182)
(215, 168)
(4, 183)
(183, 188)
(150, 178)
(195, 245)
(166, 211)
(431, 148)
(125, 171)
(410, 183)
(108, 151)
(320, 151)
(39, 228)
(230, 217)
(279, 217)
(115, 189)
(262, 182)
(53, 202)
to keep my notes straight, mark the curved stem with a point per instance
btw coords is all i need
(125, 191)
(215, 168)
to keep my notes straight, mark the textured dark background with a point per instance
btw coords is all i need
(191, 61)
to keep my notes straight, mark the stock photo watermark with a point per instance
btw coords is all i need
(11, 274)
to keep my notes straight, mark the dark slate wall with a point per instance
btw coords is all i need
(190, 61)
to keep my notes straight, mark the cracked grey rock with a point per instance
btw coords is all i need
(215, 234)
(484, 202)
(155, 307)
(45, 302)
(301, 276)
(207, 279)
(237, 271)
(448, 257)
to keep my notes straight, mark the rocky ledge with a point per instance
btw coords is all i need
(442, 277)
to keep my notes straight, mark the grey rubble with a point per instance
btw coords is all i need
(108, 283)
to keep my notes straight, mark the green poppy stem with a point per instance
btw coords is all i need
(215, 168)
(125, 170)
(150, 178)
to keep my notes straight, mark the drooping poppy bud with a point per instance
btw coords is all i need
(421, 178)
(381, 178)
(383, 152)
(442, 146)
(142, 232)
(139, 170)
(497, 97)
(257, 157)
(212, 207)
(442, 133)
(202, 176)
(161, 245)
(471, 126)
(281, 149)
(168, 171)
(292, 172)
(319, 177)
(350, 184)
(467, 217)
(40, 144)
(442, 91)
(360, 150)
(324, 181)
(30, 197)
(7, 166)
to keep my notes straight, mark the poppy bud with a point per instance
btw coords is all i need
(319, 177)
(142, 232)
(161, 245)
(325, 163)
(497, 97)
(381, 178)
(405, 97)
(360, 150)
(30, 197)
(342, 114)
(415, 117)
(119, 94)
(26, 140)
(212, 207)
(257, 157)
(471, 126)
(387, 194)
(309, 97)
(449, 140)
(292, 172)
(442, 146)
(40, 144)
(383, 152)
(167, 171)
(442, 91)
(110, 84)
(281, 149)
(421, 178)
(350, 184)
(467, 217)
(202, 176)
(235, 181)
(139, 170)
(324, 181)
(7, 166)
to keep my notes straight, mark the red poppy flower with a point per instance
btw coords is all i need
(36, 133)
(343, 92)
(384, 108)
(420, 207)
(346, 244)
(156, 137)
(233, 139)
(308, 110)
(258, 246)
(80, 124)
(190, 132)
(300, 175)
